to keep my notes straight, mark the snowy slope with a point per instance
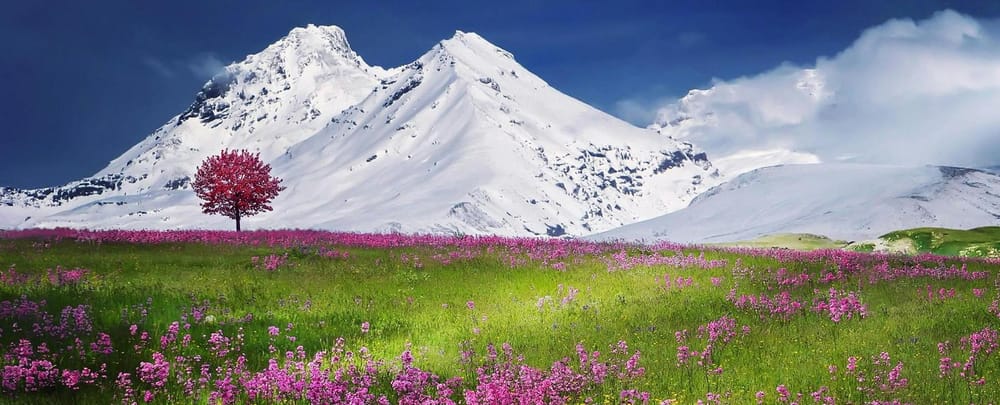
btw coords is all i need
(462, 140)
(842, 201)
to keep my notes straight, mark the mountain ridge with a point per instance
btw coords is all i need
(448, 139)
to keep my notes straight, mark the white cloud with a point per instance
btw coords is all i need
(905, 92)
(636, 111)
(203, 66)
(206, 65)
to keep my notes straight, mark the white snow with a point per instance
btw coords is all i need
(746, 160)
(841, 201)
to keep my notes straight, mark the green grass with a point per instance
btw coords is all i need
(984, 241)
(425, 308)
(977, 242)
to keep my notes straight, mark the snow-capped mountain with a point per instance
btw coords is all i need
(841, 201)
(464, 139)
(268, 102)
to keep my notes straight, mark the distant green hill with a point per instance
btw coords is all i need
(979, 242)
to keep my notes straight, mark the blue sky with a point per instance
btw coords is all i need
(84, 81)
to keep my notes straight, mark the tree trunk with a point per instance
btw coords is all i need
(237, 223)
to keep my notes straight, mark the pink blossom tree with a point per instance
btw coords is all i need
(236, 184)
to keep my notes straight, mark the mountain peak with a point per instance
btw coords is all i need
(468, 36)
(473, 54)
(316, 38)
(463, 39)
(332, 33)
(267, 102)
(304, 53)
(290, 70)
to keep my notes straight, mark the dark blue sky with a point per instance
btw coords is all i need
(84, 81)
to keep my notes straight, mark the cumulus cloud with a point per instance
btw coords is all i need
(905, 92)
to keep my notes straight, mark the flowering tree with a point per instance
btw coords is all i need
(236, 184)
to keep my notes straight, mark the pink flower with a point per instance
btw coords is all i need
(852, 364)
(783, 393)
(365, 327)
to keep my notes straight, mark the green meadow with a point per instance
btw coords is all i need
(446, 305)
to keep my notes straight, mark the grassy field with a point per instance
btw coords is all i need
(721, 325)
